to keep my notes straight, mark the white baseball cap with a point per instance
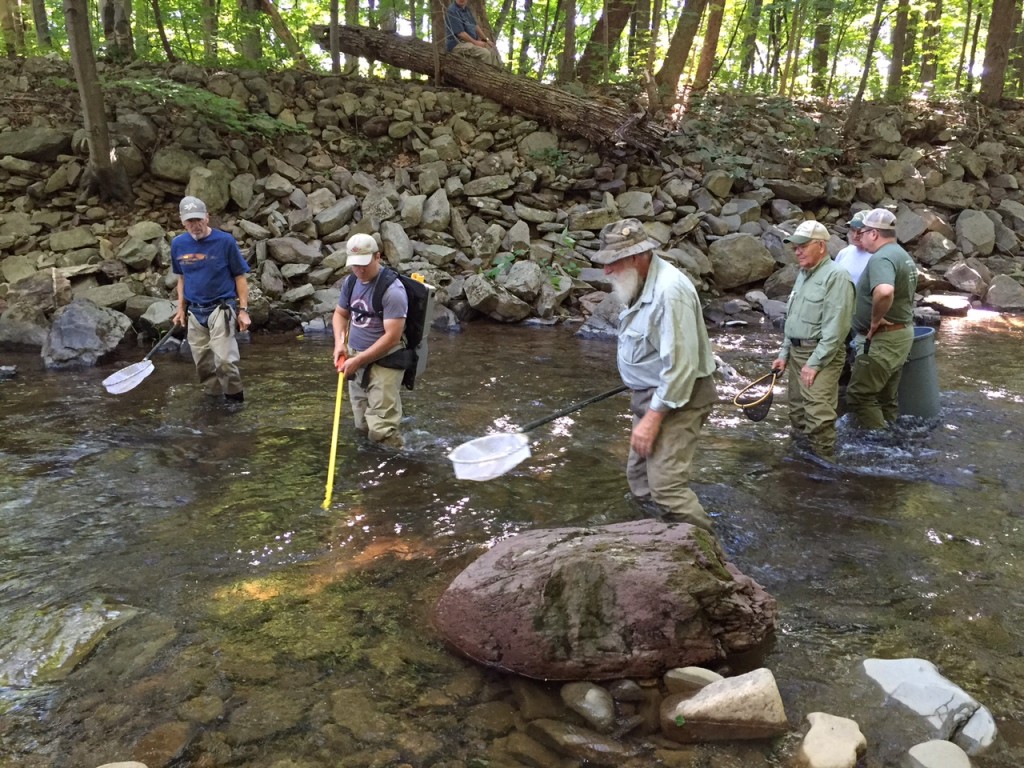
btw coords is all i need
(879, 218)
(360, 249)
(809, 230)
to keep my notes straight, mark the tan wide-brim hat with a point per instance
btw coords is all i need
(621, 239)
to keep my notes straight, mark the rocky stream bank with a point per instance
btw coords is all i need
(495, 210)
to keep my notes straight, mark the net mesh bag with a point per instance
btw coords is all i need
(755, 399)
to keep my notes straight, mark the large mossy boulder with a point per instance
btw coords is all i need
(625, 600)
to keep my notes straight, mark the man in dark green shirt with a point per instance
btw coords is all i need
(883, 322)
(813, 346)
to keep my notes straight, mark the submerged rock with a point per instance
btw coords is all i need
(624, 600)
(45, 645)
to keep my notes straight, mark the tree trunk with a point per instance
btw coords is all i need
(639, 37)
(962, 62)
(702, 79)
(548, 38)
(483, 24)
(116, 16)
(526, 39)
(792, 47)
(567, 62)
(749, 44)
(211, 28)
(974, 51)
(102, 176)
(894, 89)
(158, 20)
(252, 39)
(9, 23)
(593, 65)
(823, 10)
(285, 34)
(997, 52)
(332, 41)
(770, 76)
(930, 44)
(352, 19)
(842, 26)
(506, 6)
(910, 52)
(853, 116)
(679, 49)
(597, 120)
(1017, 55)
(42, 24)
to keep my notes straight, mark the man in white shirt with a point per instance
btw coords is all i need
(853, 258)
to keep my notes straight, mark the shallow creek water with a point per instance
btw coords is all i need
(260, 629)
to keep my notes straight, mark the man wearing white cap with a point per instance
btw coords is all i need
(213, 290)
(362, 337)
(883, 322)
(814, 339)
(665, 358)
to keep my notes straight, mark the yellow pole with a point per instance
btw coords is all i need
(334, 439)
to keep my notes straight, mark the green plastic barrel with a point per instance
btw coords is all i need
(919, 382)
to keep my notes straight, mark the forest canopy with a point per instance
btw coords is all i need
(831, 49)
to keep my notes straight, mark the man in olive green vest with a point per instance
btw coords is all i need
(814, 343)
(883, 321)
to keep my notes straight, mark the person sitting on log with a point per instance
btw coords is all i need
(464, 36)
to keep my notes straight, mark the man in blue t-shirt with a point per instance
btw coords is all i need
(212, 289)
(464, 37)
(362, 338)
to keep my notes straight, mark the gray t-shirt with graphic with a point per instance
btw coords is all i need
(367, 326)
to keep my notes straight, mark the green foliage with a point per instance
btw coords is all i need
(216, 110)
(501, 264)
(552, 156)
(751, 55)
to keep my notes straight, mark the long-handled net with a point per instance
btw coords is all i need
(755, 399)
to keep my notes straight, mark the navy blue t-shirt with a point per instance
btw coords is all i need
(209, 266)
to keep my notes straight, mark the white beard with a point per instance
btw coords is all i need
(626, 286)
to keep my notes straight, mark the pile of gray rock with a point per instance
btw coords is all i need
(494, 209)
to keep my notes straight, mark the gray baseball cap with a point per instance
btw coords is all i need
(191, 208)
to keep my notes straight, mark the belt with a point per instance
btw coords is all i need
(211, 307)
(892, 327)
(804, 342)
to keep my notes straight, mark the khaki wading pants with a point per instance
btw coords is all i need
(487, 54)
(665, 474)
(872, 395)
(215, 352)
(377, 408)
(812, 410)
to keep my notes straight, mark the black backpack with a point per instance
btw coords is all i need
(413, 358)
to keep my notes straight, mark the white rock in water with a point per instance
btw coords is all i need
(936, 754)
(918, 685)
(832, 742)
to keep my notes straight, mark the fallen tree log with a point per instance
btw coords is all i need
(602, 122)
